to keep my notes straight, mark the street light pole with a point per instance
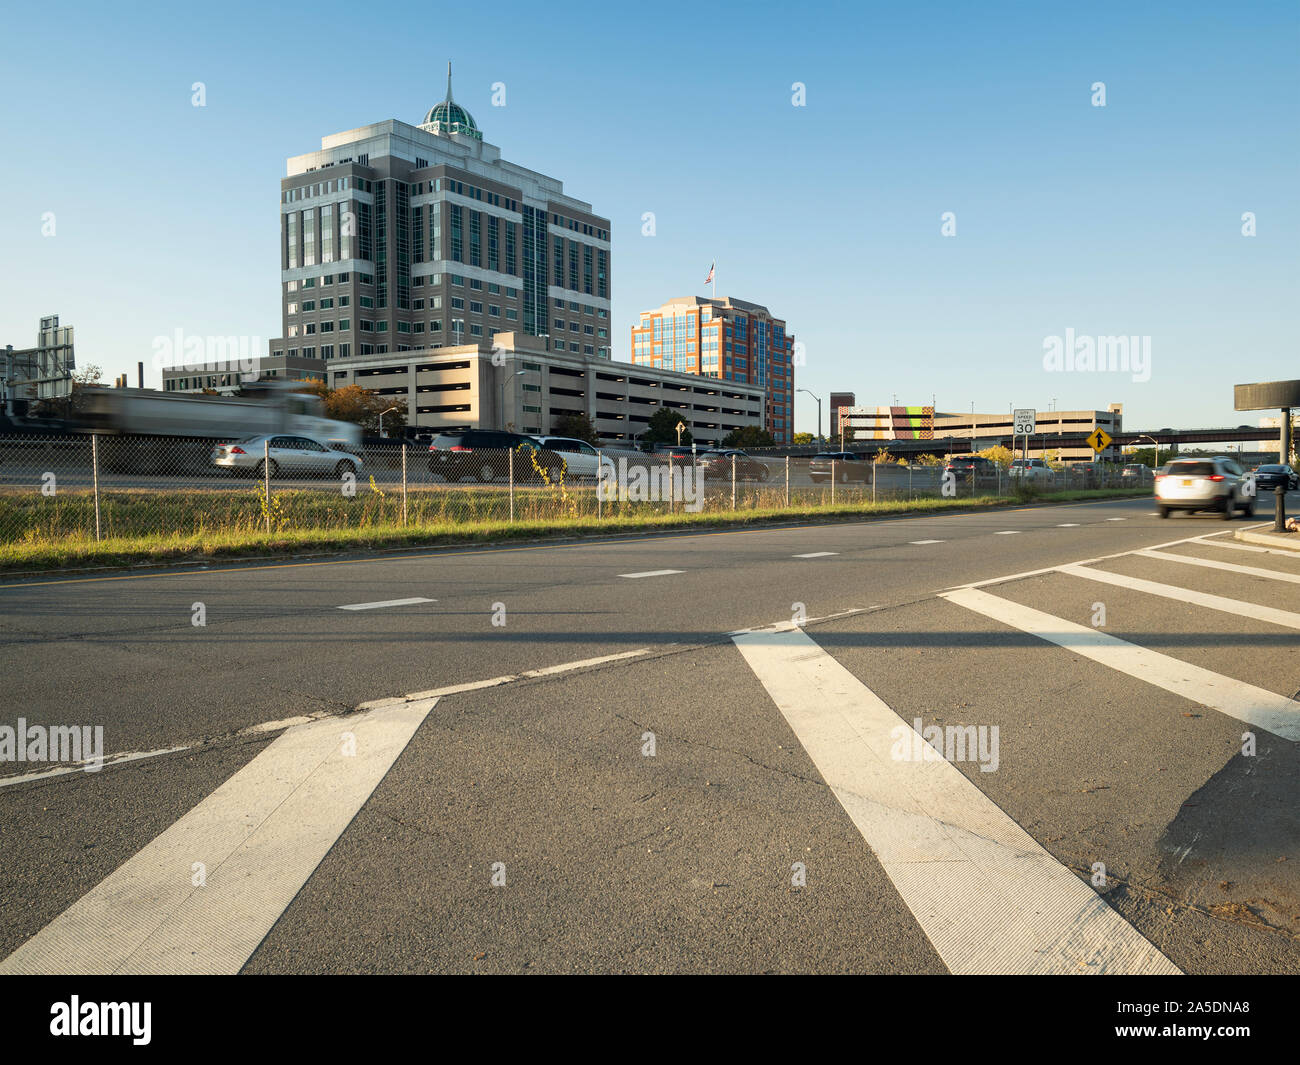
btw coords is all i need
(819, 410)
(381, 418)
(1153, 440)
(501, 407)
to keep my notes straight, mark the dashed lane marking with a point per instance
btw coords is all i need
(651, 573)
(387, 603)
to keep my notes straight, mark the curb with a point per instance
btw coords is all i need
(1286, 541)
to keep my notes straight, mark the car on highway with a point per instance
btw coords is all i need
(1203, 484)
(1136, 474)
(1093, 475)
(848, 466)
(280, 454)
(677, 451)
(967, 467)
(484, 455)
(718, 463)
(581, 460)
(1269, 476)
(1030, 470)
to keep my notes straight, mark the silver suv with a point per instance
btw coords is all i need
(1204, 484)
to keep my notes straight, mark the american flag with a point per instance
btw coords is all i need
(709, 280)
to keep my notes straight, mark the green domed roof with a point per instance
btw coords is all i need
(450, 117)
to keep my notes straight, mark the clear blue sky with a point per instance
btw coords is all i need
(1117, 220)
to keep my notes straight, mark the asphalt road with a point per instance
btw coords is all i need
(672, 754)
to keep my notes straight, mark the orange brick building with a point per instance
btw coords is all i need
(728, 339)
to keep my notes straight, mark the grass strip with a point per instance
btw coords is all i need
(80, 550)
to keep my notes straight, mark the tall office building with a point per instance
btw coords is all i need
(398, 238)
(725, 338)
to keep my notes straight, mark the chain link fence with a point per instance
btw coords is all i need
(108, 487)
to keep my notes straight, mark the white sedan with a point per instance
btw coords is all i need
(294, 456)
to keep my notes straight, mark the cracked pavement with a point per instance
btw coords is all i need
(612, 860)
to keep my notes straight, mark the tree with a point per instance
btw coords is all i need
(578, 426)
(1147, 455)
(928, 460)
(748, 436)
(662, 428)
(88, 376)
(360, 406)
(803, 438)
(998, 455)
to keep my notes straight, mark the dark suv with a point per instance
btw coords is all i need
(719, 463)
(484, 455)
(967, 467)
(849, 466)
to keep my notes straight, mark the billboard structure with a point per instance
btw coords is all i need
(42, 372)
(887, 423)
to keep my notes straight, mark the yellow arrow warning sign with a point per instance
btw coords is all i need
(1099, 440)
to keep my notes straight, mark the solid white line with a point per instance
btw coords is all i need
(1270, 614)
(1230, 567)
(565, 667)
(136, 756)
(117, 759)
(927, 541)
(652, 573)
(785, 624)
(260, 835)
(816, 554)
(1245, 702)
(388, 602)
(493, 682)
(983, 891)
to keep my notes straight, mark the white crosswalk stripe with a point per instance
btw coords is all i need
(255, 840)
(1255, 706)
(988, 897)
(1251, 547)
(1237, 607)
(1227, 567)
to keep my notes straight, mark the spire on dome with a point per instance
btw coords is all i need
(449, 117)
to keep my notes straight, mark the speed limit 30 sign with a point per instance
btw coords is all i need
(1024, 421)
